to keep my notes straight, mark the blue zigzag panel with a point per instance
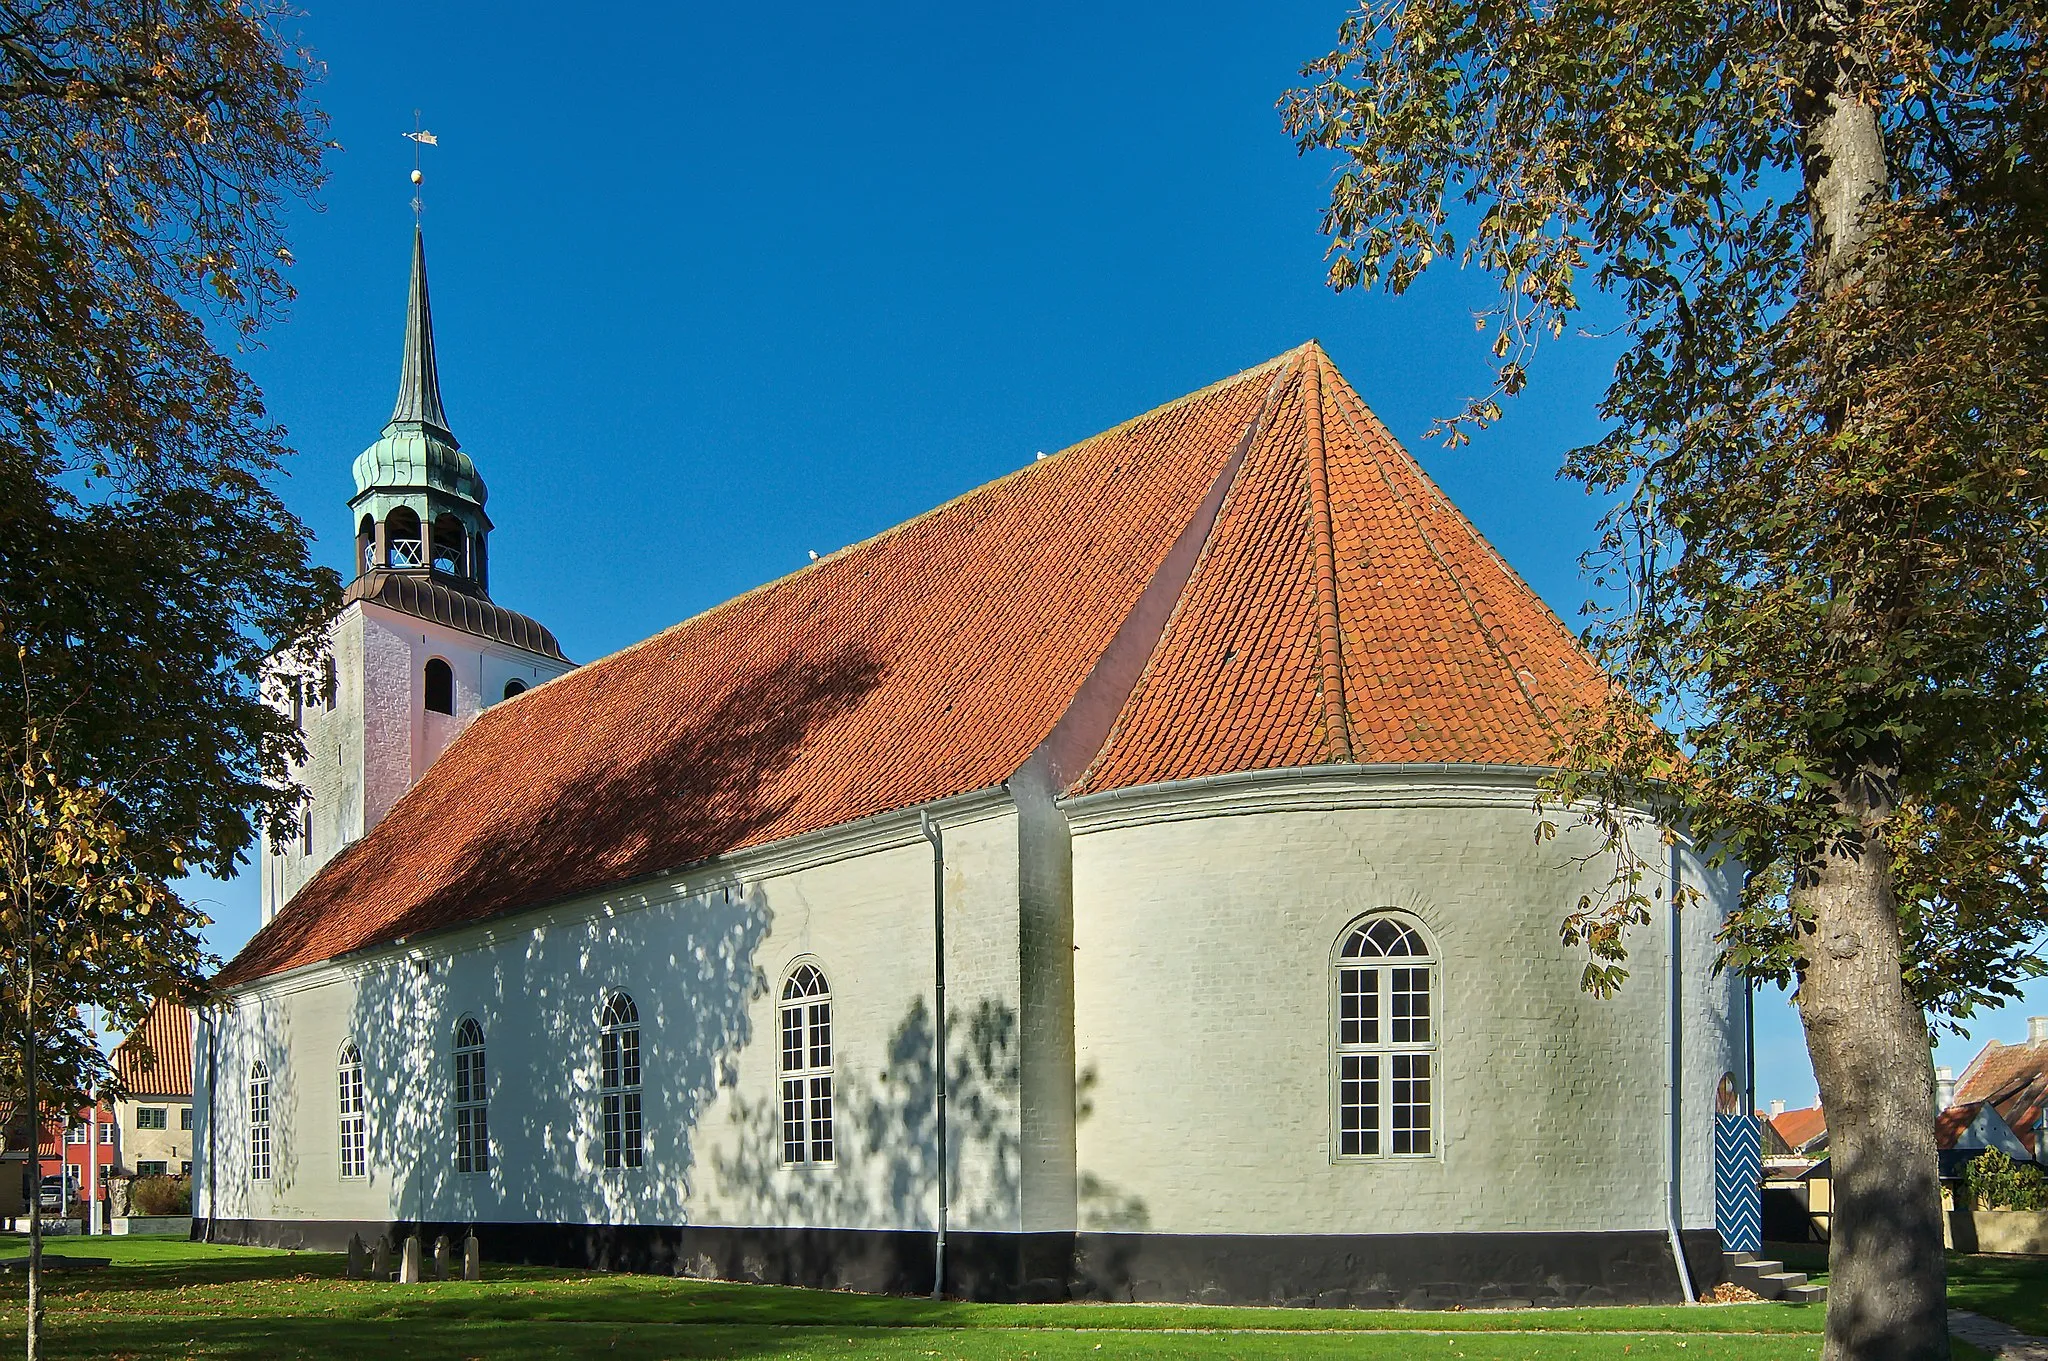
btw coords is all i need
(1738, 1182)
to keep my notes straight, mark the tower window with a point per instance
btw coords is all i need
(402, 539)
(440, 686)
(1386, 1041)
(806, 1014)
(306, 827)
(451, 544)
(329, 686)
(514, 687)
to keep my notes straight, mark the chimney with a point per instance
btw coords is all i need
(2037, 1029)
(1777, 1109)
(1944, 1089)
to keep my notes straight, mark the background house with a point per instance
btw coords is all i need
(2001, 1102)
(155, 1118)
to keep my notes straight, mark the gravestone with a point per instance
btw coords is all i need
(441, 1258)
(358, 1264)
(409, 1264)
(472, 1259)
(380, 1261)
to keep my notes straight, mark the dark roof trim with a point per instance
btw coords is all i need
(423, 597)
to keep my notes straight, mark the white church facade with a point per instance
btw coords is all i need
(1189, 774)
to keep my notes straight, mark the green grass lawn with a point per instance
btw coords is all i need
(165, 1297)
(169, 1298)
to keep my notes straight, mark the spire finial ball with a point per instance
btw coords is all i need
(417, 177)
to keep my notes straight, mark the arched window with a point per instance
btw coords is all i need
(619, 1054)
(440, 686)
(259, 1121)
(472, 1130)
(402, 544)
(329, 687)
(354, 1131)
(514, 687)
(306, 827)
(366, 546)
(806, 1067)
(1386, 1041)
(451, 546)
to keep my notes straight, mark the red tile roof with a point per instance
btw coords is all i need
(1184, 566)
(1800, 1128)
(156, 1058)
(2013, 1078)
(1951, 1124)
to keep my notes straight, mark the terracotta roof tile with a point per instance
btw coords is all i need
(156, 1058)
(1800, 1128)
(936, 659)
(2014, 1079)
(1446, 655)
(929, 661)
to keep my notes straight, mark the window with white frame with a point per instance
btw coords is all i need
(806, 1067)
(77, 1134)
(1386, 1041)
(472, 1129)
(259, 1121)
(619, 1081)
(355, 1160)
(107, 1131)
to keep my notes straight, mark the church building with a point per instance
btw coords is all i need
(1119, 882)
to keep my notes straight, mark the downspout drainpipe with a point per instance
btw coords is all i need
(212, 1123)
(931, 834)
(1673, 1201)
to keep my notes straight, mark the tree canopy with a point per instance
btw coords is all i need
(1824, 226)
(148, 566)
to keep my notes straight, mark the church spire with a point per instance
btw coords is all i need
(419, 380)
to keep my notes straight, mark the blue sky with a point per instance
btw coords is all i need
(716, 286)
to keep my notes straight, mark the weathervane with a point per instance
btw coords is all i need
(419, 137)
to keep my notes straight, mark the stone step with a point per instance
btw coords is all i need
(1805, 1294)
(1766, 1278)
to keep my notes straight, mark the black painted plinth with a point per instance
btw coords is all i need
(1334, 1270)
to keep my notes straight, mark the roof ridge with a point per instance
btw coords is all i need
(1478, 540)
(1509, 655)
(883, 534)
(1254, 431)
(1322, 533)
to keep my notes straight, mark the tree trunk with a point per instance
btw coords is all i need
(1868, 1039)
(1867, 1036)
(35, 1157)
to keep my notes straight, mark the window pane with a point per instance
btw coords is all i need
(609, 1050)
(636, 1142)
(1411, 1103)
(792, 1037)
(1358, 1105)
(821, 1035)
(629, 1057)
(821, 1119)
(793, 1144)
(1358, 1006)
(1409, 1004)
(614, 1136)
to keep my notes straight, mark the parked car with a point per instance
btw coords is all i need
(55, 1189)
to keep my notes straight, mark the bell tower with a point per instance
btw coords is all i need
(419, 648)
(419, 503)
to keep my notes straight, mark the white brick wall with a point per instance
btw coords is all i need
(1204, 926)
